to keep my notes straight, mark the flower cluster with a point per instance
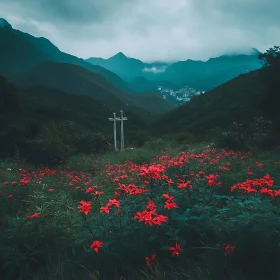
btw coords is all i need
(261, 186)
(111, 202)
(149, 215)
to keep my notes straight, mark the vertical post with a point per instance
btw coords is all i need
(115, 133)
(114, 119)
(122, 135)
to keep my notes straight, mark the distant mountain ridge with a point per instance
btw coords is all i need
(20, 51)
(75, 79)
(28, 61)
(198, 74)
(238, 100)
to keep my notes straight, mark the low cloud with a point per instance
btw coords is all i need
(155, 69)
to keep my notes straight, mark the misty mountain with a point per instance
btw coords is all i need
(75, 79)
(21, 51)
(242, 100)
(198, 74)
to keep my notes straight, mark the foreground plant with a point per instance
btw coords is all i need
(172, 210)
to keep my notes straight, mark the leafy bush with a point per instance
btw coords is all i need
(136, 138)
(59, 140)
(183, 138)
(246, 135)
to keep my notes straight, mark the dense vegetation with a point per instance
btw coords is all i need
(241, 111)
(198, 214)
(46, 125)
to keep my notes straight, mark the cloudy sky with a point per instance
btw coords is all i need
(150, 30)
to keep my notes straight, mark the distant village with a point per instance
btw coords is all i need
(178, 97)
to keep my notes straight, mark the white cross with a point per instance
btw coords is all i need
(115, 119)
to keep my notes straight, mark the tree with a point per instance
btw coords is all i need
(271, 56)
(8, 97)
(271, 61)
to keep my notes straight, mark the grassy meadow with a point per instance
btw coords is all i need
(163, 211)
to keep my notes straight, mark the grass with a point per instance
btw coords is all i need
(56, 244)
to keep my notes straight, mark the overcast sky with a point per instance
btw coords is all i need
(150, 30)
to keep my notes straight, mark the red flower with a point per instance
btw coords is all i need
(277, 193)
(228, 249)
(150, 260)
(96, 245)
(151, 205)
(145, 216)
(183, 185)
(24, 181)
(96, 193)
(212, 179)
(117, 194)
(105, 209)
(50, 190)
(91, 189)
(35, 215)
(176, 250)
(114, 202)
(85, 207)
(169, 205)
(159, 219)
(168, 196)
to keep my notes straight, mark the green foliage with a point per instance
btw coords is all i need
(8, 97)
(159, 144)
(183, 138)
(271, 56)
(56, 244)
(243, 101)
(59, 140)
(29, 129)
(246, 135)
(136, 138)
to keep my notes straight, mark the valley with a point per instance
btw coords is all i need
(194, 194)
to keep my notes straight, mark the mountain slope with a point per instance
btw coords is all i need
(212, 73)
(237, 100)
(60, 56)
(119, 63)
(24, 51)
(197, 74)
(75, 79)
(17, 54)
(26, 112)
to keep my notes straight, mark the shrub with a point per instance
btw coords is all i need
(245, 135)
(184, 138)
(136, 138)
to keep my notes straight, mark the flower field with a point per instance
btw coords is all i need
(211, 214)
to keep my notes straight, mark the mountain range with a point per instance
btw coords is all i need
(28, 61)
(50, 85)
(197, 74)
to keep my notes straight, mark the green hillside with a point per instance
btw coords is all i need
(219, 107)
(47, 124)
(46, 46)
(19, 51)
(239, 102)
(18, 54)
(75, 79)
